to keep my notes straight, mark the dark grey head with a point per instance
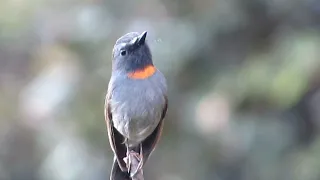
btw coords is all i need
(131, 53)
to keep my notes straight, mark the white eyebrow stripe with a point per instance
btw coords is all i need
(122, 45)
(134, 40)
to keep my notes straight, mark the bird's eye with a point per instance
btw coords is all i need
(123, 52)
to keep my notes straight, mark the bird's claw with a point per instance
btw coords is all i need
(128, 161)
(138, 158)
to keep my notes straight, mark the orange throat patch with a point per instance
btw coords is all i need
(143, 73)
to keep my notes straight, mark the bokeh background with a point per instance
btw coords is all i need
(243, 77)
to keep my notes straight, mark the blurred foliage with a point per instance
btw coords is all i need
(243, 80)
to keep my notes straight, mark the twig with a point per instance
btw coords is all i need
(135, 160)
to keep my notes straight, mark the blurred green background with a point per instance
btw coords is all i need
(243, 78)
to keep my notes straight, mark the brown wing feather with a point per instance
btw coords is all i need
(149, 144)
(115, 138)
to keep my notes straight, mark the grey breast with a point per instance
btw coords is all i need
(137, 105)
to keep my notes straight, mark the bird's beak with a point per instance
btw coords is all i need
(140, 40)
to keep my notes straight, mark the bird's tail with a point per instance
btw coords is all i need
(117, 173)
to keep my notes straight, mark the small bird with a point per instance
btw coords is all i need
(136, 103)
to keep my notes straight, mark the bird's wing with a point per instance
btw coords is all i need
(149, 144)
(115, 138)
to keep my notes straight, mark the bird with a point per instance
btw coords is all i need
(136, 103)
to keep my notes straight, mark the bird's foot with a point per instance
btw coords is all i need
(139, 158)
(128, 161)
